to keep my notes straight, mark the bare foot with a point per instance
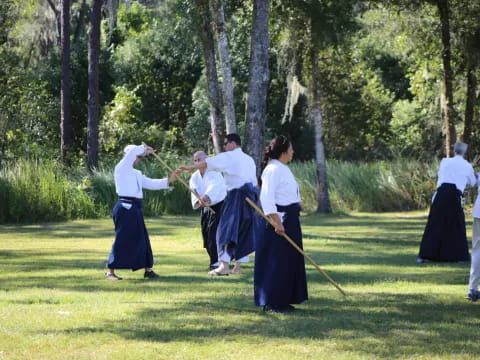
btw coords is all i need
(237, 271)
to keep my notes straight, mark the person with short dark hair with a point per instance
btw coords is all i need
(445, 238)
(236, 232)
(210, 187)
(131, 248)
(280, 277)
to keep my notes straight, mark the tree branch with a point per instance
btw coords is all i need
(54, 8)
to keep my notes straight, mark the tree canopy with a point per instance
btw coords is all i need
(380, 71)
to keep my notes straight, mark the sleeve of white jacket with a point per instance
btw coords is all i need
(154, 184)
(193, 185)
(472, 180)
(440, 168)
(216, 188)
(267, 193)
(219, 162)
(129, 158)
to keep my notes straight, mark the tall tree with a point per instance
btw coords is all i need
(82, 14)
(66, 92)
(317, 27)
(59, 21)
(112, 9)
(448, 110)
(471, 92)
(93, 84)
(257, 82)
(224, 55)
(323, 197)
(469, 30)
(213, 87)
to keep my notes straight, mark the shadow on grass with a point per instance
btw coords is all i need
(98, 229)
(376, 325)
(389, 325)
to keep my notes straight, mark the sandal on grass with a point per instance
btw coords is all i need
(217, 272)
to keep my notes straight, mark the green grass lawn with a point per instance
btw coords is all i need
(54, 303)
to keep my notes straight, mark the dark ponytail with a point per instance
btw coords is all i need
(274, 150)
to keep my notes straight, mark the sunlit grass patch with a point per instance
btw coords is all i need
(54, 303)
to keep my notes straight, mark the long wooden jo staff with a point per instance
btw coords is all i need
(299, 249)
(203, 203)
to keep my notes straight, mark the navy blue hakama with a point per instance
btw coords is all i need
(445, 238)
(131, 248)
(280, 278)
(239, 223)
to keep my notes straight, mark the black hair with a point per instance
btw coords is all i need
(233, 137)
(274, 150)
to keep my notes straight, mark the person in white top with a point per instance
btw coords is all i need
(210, 187)
(444, 238)
(239, 223)
(473, 293)
(131, 248)
(279, 278)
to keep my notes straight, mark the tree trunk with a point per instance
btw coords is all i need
(257, 82)
(323, 197)
(81, 21)
(227, 84)
(112, 6)
(59, 21)
(66, 92)
(470, 104)
(213, 88)
(448, 110)
(93, 84)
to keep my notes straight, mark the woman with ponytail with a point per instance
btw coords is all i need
(280, 278)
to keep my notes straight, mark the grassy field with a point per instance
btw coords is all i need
(54, 303)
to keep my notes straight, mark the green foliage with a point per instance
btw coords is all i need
(26, 110)
(198, 129)
(380, 71)
(411, 132)
(159, 63)
(121, 126)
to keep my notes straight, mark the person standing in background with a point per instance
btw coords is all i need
(445, 238)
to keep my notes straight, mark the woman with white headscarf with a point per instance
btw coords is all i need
(131, 248)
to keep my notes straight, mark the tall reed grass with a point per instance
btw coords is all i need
(373, 187)
(33, 191)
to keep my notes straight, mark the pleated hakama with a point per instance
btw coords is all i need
(444, 238)
(280, 277)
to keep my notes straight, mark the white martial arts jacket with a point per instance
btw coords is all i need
(237, 167)
(456, 170)
(129, 181)
(210, 184)
(278, 187)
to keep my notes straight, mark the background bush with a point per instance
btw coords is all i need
(32, 191)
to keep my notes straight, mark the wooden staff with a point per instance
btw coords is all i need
(257, 209)
(203, 203)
